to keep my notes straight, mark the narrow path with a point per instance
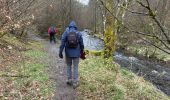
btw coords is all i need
(57, 70)
(58, 74)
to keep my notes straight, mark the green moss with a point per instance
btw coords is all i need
(109, 42)
(94, 53)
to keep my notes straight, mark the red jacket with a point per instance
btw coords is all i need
(49, 30)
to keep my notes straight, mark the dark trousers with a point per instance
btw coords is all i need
(72, 63)
(52, 38)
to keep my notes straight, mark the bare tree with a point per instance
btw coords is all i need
(15, 15)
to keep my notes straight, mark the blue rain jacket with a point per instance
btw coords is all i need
(71, 52)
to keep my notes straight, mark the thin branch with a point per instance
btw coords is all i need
(3, 34)
(153, 16)
(153, 36)
(109, 11)
(137, 32)
(134, 12)
(25, 9)
(156, 46)
(148, 3)
(143, 5)
(162, 29)
(19, 76)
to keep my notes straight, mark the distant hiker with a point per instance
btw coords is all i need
(72, 41)
(51, 32)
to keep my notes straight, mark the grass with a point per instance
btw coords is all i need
(105, 80)
(27, 78)
(38, 78)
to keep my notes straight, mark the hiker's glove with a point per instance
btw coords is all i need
(60, 55)
(83, 55)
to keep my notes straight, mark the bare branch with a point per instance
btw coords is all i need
(134, 12)
(148, 3)
(137, 32)
(153, 16)
(145, 34)
(109, 11)
(168, 52)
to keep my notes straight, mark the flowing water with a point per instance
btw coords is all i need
(154, 72)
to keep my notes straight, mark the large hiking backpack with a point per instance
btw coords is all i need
(72, 40)
(52, 30)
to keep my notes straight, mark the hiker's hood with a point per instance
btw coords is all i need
(72, 25)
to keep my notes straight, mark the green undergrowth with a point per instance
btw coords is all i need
(35, 68)
(105, 80)
(11, 40)
(26, 79)
(94, 53)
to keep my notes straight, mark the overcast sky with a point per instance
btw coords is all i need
(85, 2)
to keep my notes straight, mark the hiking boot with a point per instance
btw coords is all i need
(75, 85)
(69, 82)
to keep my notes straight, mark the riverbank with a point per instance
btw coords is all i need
(146, 53)
(106, 80)
(133, 59)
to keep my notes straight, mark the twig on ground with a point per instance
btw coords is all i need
(17, 76)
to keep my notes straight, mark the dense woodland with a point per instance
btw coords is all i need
(120, 22)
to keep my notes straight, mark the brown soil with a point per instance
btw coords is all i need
(58, 74)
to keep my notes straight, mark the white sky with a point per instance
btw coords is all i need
(85, 2)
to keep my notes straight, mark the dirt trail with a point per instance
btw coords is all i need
(58, 74)
(57, 70)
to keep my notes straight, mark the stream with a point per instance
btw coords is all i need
(154, 72)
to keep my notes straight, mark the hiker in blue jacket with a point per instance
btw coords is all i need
(72, 42)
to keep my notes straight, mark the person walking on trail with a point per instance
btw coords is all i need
(51, 33)
(72, 42)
